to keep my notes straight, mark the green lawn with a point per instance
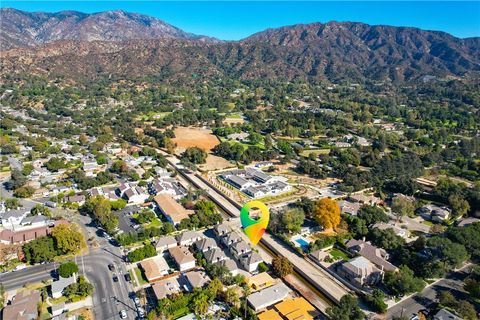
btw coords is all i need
(154, 224)
(306, 153)
(234, 116)
(134, 280)
(154, 115)
(140, 276)
(338, 254)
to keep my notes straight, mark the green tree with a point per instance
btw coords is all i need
(68, 239)
(54, 164)
(376, 301)
(460, 206)
(195, 155)
(39, 250)
(231, 297)
(291, 220)
(100, 208)
(67, 269)
(24, 192)
(403, 281)
(282, 266)
(347, 309)
(372, 215)
(402, 206)
(12, 203)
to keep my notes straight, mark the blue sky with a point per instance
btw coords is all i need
(232, 20)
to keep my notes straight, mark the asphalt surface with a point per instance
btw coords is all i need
(427, 298)
(109, 297)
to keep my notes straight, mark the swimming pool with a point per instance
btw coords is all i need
(302, 242)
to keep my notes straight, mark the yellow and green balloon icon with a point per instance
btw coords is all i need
(254, 228)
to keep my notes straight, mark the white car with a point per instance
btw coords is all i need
(123, 314)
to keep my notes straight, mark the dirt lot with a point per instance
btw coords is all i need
(194, 137)
(215, 163)
(231, 121)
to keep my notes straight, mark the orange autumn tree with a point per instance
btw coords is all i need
(327, 213)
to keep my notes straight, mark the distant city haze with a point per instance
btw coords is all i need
(232, 20)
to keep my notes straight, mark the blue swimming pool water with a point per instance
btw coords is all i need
(302, 242)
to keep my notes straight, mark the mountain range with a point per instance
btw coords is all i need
(117, 43)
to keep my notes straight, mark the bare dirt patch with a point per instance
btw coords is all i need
(215, 163)
(186, 137)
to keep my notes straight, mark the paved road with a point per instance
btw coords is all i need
(411, 306)
(20, 278)
(109, 297)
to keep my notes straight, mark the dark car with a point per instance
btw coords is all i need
(111, 267)
(115, 278)
(127, 277)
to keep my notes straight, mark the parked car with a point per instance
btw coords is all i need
(127, 277)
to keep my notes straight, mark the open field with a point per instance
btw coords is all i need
(215, 163)
(306, 153)
(186, 137)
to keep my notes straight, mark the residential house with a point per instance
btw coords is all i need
(221, 230)
(434, 213)
(296, 308)
(135, 194)
(12, 218)
(265, 298)
(363, 199)
(242, 136)
(155, 268)
(189, 237)
(60, 284)
(468, 221)
(165, 243)
(106, 192)
(78, 199)
(240, 248)
(196, 279)
(399, 231)
(90, 167)
(34, 221)
(171, 209)
(24, 306)
(444, 314)
(183, 258)
(166, 287)
(250, 261)
(231, 265)
(205, 244)
(214, 255)
(379, 257)
(348, 207)
(57, 309)
(260, 281)
(231, 238)
(270, 314)
(319, 255)
(360, 272)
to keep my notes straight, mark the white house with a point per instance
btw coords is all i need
(250, 261)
